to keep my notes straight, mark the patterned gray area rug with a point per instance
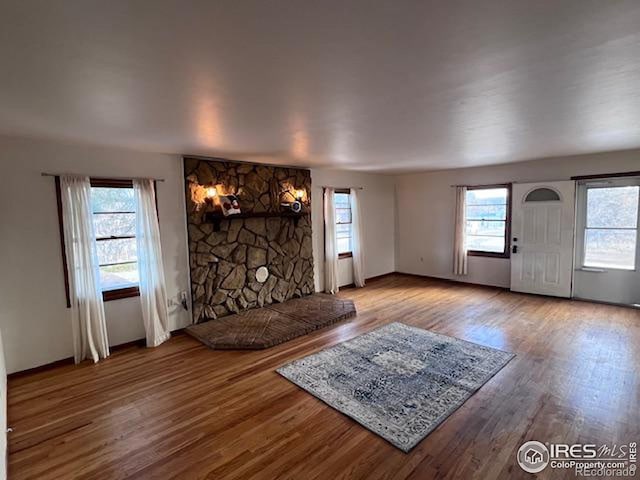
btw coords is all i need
(398, 381)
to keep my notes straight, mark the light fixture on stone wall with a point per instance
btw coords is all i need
(211, 193)
(299, 195)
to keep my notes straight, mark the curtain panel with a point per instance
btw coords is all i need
(330, 253)
(153, 292)
(87, 308)
(357, 249)
(459, 248)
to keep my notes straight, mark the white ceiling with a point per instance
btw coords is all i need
(374, 85)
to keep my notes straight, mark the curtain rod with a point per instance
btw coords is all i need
(342, 188)
(490, 185)
(46, 174)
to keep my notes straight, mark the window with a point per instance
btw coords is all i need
(542, 194)
(611, 227)
(488, 210)
(114, 222)
(343, 223)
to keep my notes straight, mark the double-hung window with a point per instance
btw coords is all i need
(114, 222)
(343, 223)
(487, 220)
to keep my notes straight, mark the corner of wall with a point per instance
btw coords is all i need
(3, 413)
(396, 225)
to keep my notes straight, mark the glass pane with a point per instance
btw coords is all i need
(487, 196)
(612, 207)
(114, 224)
(119, 276)
(105, 199)
(117, 251)
(342, 200)
(343, 215)
(489, 212)
(542, 195)
(610, 248)
(475, 227)
(344, 245)
(485, 244)
(343, 230)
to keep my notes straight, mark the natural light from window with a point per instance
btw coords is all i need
(343, 223)
(486, 219)
(611, 229)
(114, 221)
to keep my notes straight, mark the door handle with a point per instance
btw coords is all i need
(514, 249)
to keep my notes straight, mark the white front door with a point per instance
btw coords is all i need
(542, 229)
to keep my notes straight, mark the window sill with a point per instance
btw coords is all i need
(478, 253)
(109, 295)
(586, 268)
(345, 255)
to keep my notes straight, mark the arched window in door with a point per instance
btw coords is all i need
(542, 194)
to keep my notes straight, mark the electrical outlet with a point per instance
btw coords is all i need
(184, 300)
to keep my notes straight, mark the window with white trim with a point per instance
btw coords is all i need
(611, 227)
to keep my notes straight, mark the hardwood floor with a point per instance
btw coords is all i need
(185, 411)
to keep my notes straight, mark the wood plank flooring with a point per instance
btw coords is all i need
(185, 411)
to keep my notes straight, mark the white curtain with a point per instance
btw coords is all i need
(459, 248)
(153, 292)
(330, 252)
(356, 239)
(87, 308)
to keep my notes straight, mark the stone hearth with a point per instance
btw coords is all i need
(274, 324)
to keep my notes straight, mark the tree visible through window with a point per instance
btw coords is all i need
(343, 223)
(487, 220)
(611, 229)
(114, 221)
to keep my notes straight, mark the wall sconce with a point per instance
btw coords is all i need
(299, 195)
(210, 194)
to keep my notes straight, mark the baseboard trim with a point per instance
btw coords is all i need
(380, 277)
(426, 277)
(40, 368)
(140, 342)
(370, 279)
(602, 302)
(450, 280)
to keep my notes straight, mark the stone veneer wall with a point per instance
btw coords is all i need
(223, 264)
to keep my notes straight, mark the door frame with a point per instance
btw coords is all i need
(571, 201)
(617, 278)
(581, 220)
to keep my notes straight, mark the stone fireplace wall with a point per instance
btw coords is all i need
(223, 263)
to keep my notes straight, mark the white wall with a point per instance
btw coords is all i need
(425, 209)
(408, 227)
(33, 315)
(378, 218)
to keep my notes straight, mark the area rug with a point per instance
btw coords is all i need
(398, 381)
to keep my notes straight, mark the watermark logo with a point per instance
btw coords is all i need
(533, 457)
(585, 459)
